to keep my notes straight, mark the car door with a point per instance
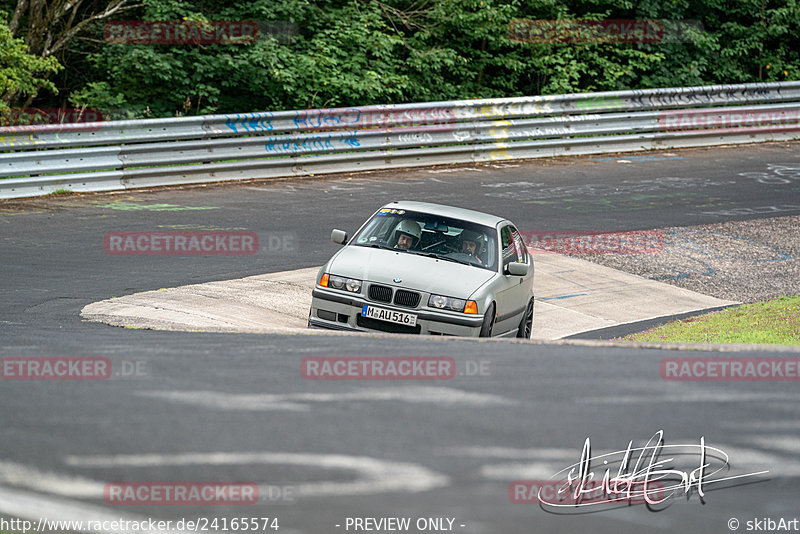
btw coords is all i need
(512, 297)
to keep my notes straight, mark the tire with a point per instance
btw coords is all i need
(488, 321)
(526, 324)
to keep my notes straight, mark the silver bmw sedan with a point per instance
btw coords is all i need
(421, 268)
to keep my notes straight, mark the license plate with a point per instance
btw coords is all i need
(390, 316)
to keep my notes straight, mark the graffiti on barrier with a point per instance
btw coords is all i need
(702, 96)
(312, 143)
(249, 122)
(16, 140)
(321, 119)
(422, 137)
(600, 102)
(535, 106)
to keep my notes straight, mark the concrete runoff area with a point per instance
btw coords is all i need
(572, 296)
(268, 303)
(575, 296)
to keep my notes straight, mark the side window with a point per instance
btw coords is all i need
(519, 245)
(513, 246)
(507, 242)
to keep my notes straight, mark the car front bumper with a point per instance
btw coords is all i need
(342, 311)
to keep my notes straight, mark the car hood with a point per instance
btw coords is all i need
(441, 277)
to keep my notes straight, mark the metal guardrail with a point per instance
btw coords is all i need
(103, 156)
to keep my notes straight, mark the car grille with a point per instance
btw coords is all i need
(383, 326)
(380, 293)
(409, 299)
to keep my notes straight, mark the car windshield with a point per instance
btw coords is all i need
(431, 235)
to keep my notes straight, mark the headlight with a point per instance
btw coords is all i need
(447, 303)
(353, 285)
(342, 283)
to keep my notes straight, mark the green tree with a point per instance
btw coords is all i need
(22, 74)
(358, 52)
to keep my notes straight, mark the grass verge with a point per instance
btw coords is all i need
(772, 322)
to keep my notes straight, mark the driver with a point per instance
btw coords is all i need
(407, 234)
(469, 244)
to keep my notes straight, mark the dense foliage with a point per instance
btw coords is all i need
(22, 74)
(330, 53)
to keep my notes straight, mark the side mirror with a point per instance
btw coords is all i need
(517, 269)
(339, 236)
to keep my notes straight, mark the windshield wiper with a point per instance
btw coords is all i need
(378, 245)
(436, 256)
(418, 253)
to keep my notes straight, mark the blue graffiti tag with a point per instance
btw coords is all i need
(318, 118)
(251, 122)
(351, 140)
(311, 143)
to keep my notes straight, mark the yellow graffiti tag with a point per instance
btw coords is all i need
(502, 133)
(500, 153)
(15, 140)
(488, 111)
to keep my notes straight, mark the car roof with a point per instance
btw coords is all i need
(447, 211)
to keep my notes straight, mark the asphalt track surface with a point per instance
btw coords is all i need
(377, 449)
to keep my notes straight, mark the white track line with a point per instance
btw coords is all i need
(372, 475)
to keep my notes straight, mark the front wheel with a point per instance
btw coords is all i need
(526, 325)
(488, 322)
